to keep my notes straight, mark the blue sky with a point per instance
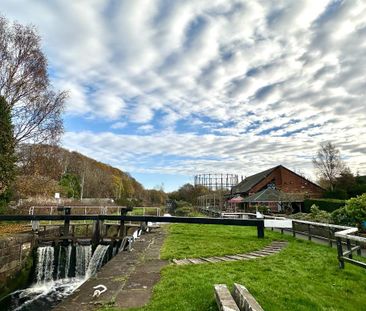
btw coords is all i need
(168, 89)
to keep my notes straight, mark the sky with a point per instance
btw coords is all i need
(168, 89)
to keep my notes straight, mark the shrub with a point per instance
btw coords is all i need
(356, 209)
(315, 215)
(263, 209)
(328, 205)
(341, 217)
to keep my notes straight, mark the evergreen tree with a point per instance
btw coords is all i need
(7, 149)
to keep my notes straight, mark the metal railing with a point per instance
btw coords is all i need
(347, 255)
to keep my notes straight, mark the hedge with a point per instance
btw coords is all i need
(328, 205)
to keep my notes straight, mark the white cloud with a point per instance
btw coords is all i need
(280, 74)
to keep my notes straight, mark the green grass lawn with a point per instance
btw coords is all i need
(211, 240)
(303, 276)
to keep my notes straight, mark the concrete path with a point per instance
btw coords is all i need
(271, 249)
(129, 277)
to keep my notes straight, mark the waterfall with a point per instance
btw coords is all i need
(96, 260)
(83, 256)
(59, 262)
(45, 264)
(68, 259)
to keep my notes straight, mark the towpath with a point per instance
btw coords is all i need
(129, 278)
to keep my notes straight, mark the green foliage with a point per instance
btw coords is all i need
(340, 194)
(182, 208)
(341, 217)
(7, 149)
(188, 193)
(356, 209)
(263, 209)
(328, 205)
(315, 215)
(70, 184)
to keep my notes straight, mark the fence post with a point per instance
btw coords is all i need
(293, 229)
(260, 229)
(96, 233)
(121, 232)
(349, 247)
(340, 253)
(359, 250)
(309, 233)
(67, 211)
(330, 236)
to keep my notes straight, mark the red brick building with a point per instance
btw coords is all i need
(286, 182)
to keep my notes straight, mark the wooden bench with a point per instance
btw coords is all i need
(240, 300)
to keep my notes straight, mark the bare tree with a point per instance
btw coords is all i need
(36, 108)
(328, 164)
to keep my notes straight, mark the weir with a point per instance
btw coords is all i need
(56, 277)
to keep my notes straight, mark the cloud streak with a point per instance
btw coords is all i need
(208, 85)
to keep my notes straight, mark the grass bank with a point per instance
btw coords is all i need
(304, 276)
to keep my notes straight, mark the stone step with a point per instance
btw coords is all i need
(181, 261)
(244, 299)
(271, 249)
(210, 260)
(224, 300)
(196, 261)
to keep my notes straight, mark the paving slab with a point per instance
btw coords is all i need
(129, 278)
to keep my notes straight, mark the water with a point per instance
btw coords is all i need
(97, 260)
(68, 260)
(83, 256)
(45, 265)
(47, 292)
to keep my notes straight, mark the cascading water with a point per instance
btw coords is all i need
(83, 256)
(46, 292)
(97, 260)
(68, 260)
(45, 264)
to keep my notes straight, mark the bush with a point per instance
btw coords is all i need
(341, 217)
(315, 215)
(328, 205)
(356, 209)
(263, 209)
(183, 211)
(353, 214)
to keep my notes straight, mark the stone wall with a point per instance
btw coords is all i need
(14, 252)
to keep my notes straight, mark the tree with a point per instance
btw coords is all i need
(35, 107)
(7, 152)
(328, 164)
(70, 185)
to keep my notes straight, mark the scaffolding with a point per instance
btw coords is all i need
(216, 181)
(218, 185)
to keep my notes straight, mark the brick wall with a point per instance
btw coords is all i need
(289, 182)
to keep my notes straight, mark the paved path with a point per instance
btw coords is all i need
(271, 249)
(129, 277)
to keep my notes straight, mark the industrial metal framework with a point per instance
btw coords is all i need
(216, 181)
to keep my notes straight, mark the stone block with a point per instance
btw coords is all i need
(244, 300)
(224, 300)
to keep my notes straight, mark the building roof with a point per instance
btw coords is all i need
(272, 195)
(249, 182)
(266, 195)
